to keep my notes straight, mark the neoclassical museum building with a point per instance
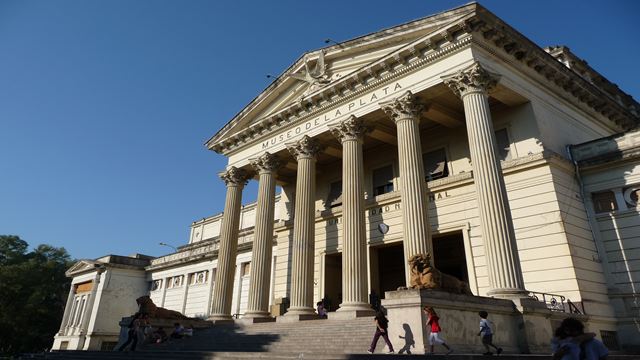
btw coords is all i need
(516, 167)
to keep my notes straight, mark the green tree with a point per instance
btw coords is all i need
(33, 293)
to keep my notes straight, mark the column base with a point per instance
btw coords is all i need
(286, 318)
(510, 294)
(298, 314)
(352, 311)
(221, 319)
(256, 314)
(255, 320)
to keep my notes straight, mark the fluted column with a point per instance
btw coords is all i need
(405, 112)
(302, 257)
(503, 264)
(258, 305)
(355, 300)
(235, 179)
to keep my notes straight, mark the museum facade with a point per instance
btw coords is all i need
(516, 167)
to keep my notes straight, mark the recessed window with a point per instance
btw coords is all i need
(335, 194)
(604, 202)
(435, 164)
(383, 180)
(156, 285)
(503, 144)
(245, 269)
(175, 282)
(199, 278)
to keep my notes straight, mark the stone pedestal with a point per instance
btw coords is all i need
(517, 329)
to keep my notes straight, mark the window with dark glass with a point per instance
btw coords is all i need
(604, 201)
(503, 144)
(335, 194)
(382, 180)
(435, 164)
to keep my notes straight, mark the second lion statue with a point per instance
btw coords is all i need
(426, 276)
(149, 308)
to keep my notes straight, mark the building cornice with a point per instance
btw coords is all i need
(491, 33)
(414, 56)
(480, 28)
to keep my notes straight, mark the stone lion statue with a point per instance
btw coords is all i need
(426, 276)
(149, 308)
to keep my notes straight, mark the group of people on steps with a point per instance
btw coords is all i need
(570, 342)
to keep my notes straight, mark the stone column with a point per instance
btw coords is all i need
(302, 257)
(235, 179)
(503, 264)
(355, 300)
(405, 112)
(67, 310)
(258, 306)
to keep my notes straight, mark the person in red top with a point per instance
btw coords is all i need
(434, 337)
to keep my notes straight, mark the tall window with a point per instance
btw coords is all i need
(435, 164)
(335, 194)
(503, 144)
(383, 180)
(604, 201)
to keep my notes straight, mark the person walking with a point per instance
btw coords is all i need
(434, 336)
(132, 334)
(487, 334)
(381, 330)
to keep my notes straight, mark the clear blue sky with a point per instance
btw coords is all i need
(105, 105)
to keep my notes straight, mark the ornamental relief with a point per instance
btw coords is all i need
(404, 106)
(307, 147)
(351, 128)
(234, 176)
(472, 79)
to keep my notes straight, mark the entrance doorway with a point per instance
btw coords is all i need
(449, 256)
(387, 268)
(332, 281)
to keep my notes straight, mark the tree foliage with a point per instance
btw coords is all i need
(33, 293)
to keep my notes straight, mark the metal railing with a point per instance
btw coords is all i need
(555, 302)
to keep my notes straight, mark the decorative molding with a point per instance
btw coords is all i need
(473, 78)
(266, 163)
(234, 176)
(418, 55)
(307, 147)
(351, 128)
(402, 107)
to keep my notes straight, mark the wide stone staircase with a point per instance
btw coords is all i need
(315, 339)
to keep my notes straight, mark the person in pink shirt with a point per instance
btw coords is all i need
(434, 336)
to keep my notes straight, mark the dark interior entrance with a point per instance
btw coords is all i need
(332, 281)
(388, 261)
(448, 254)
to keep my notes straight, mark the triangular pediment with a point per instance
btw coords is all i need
(80, 267)
(318, 71)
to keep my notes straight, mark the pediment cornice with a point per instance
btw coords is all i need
(82, 266)
(449, 39)
(477, 27)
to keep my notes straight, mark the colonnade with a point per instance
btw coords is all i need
(505, 275)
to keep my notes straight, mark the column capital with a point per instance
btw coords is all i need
(473, 78)
(307, 147)
(266, 163)
(402, 107)
(234, 176)
(351, 128)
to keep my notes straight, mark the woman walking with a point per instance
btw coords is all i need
(434, 337)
